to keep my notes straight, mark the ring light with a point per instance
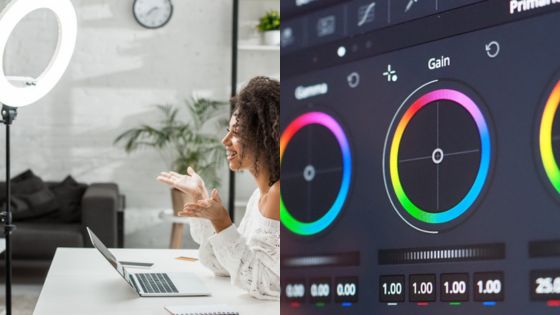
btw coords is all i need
(13, 13)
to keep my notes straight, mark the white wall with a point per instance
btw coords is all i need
(119, 71)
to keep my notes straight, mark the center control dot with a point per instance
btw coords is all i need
(341, 51)
(437, 156)
(309, 173)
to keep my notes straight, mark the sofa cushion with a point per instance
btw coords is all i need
(69, 195)
(40, 240)
(31, 198)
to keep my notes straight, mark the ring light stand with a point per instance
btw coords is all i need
(19, 95)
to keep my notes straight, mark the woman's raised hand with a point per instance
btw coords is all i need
(211, 209)
(191, 183)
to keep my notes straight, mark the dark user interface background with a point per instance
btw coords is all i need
(467, 139)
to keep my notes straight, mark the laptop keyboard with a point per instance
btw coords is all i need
(156, 283)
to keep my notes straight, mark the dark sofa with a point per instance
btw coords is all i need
(34, 242)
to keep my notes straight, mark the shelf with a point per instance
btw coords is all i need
(257, 47)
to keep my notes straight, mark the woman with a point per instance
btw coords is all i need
(249, 254)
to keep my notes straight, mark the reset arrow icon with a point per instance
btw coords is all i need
(492, 49)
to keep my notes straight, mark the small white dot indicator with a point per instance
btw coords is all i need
(341, 51)
(437, 156)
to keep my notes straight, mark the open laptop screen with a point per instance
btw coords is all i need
(105, 252)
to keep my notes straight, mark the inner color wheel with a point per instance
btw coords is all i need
(292, 223)
(457, 107)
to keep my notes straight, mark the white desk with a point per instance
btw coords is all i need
(81, 281)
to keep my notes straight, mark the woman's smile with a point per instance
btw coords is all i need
(231, 154)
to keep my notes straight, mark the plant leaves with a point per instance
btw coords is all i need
(192, 142)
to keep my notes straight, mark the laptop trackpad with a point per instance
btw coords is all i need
(188, 283)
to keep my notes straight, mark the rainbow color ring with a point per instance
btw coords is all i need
(545, 138)
(317, 118)
(476, 188)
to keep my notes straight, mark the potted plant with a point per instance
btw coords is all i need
(184, 142)
(269, 25)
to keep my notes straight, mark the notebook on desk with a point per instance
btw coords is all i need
(201, 310)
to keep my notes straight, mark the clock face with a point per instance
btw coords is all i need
(152, 13)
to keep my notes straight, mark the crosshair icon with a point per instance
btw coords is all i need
(391, 74)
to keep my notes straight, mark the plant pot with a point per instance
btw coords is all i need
(271, 37)
(178, 200)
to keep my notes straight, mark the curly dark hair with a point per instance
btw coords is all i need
(257, 109)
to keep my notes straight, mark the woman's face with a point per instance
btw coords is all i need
(239, 158)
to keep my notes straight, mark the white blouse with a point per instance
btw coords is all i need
(249, 254)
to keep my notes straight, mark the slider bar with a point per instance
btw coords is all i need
(544, 249)
(441, 254)
(327, 260)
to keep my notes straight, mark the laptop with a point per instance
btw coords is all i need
(153, 283)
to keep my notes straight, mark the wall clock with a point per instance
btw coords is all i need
(152, 13)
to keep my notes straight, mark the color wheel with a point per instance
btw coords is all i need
(549, 137)
(438, 159)
(316, 168)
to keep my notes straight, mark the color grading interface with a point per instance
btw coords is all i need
(420, 154)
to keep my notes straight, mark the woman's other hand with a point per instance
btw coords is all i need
(191, 183)
(211, 209)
